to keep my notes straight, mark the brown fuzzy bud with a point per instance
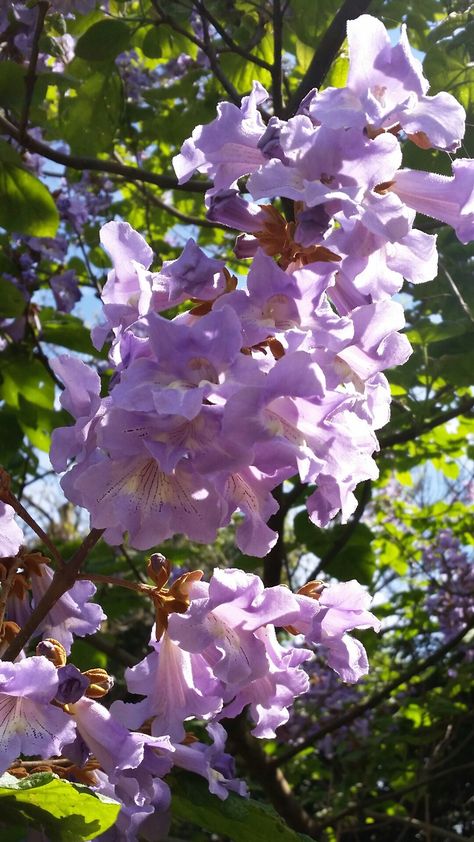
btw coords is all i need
(18, 772)
(8, 631)
(53, 650)
(5, 485)
(158, 569)
(100, 683)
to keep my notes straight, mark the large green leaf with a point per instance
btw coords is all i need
(241, 819)
(103, 40)
(67, 331)
(13, 302)
(28, 379)
(12, 85)
(26, 205)
(90, 119)
(65, 812)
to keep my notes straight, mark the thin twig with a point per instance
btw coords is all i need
(101, 579)
(346, 535)
(326, 51)
(30, 77)
(210, 52)
(30, 521)
(463, 407)
(276, 67)
(183, 217)
(227, 39)
(62, 581)
(78, 162)
(458, 293)
(373, 701)
(421, 826)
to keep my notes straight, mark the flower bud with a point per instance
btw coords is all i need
(8, 631)
(72, 685)
(158, 569)
(100, 683)
(53, 651)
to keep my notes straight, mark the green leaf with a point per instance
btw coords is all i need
(65, 812)
(152, 43)
(12, 85)
(13, 303)
(11, 436)
(90, 119)
(67, 331)
(28, 379)
(241, 819)
(103, 41)
(26, 205)
(354, 560)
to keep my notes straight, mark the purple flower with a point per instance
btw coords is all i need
(449, 199)
(72, 684)
(29, 724)
(212, 763)
(65, 290)
(177, 686)
(192, 275)
(222, 624)
(343, 607)
(134, 495)
(72, 614)
(271, 696)
(385, 89)
(11, 535)
(81, 398)
(227, 148)
(109, 741)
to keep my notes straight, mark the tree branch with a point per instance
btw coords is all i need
(227, 39)
(7, 585)
(392, 795)
(183, 217)
(373, 701)
(30, 521)
(78, 162)
(424, 827)
(30, 78)
(274, 560)
(463, 407)
(346, 535)
(326, 51)
(63, 580)
(276, 68)
(209, 51)
(269, 777)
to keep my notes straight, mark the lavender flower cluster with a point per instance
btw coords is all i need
(211, 410)
(450, 585)
(208, 411)
(214, 652)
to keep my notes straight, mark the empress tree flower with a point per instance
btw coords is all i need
(29, 723)
(72, 614)
(386, 88)
(177, 686)
(212, 763)
(449, 199)
(341, 608)
(11, 535)
(230, 623)
(227, 148)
